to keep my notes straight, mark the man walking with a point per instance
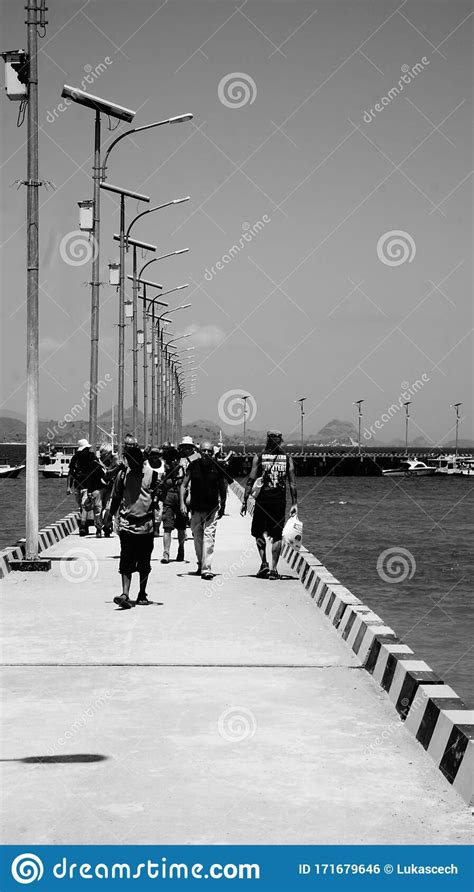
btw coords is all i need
(111, 467)
(273, 468)
(172, 517)
(208, 497)
(86, 478)
(133, 497)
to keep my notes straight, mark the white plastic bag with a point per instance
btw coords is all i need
(293, 532)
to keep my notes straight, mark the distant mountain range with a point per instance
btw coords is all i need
(335, 433)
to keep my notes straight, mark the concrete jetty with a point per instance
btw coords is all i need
(232, 711)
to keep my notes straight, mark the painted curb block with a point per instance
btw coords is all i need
(431, 710)
(47, 537)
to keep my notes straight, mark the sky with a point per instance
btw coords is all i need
(345, 190)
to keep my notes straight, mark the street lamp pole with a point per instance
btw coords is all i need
(121, 352)
(456, 407)
(358, 403)
(301, 401)
(145, 361)
(146, 247)
(245, 398)
(407, 415)
(99, 106)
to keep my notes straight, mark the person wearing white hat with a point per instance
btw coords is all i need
(188, 452)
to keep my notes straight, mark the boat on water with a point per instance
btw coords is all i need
(56, 464)
(9, 471)
(454, 465)
(410, 467)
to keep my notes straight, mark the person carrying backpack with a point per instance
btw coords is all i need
(86, 480)
(133, 499)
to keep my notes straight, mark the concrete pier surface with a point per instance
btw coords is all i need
(226, 712)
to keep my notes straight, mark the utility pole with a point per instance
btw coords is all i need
(358, 403)
(21, 83)
(32, 314)
(456, 407)
(301, 401)
(245, 398)
(95, 287)
(407, 415)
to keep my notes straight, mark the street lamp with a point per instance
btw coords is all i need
(245, 398)
(111, 109)
(121, 363)
(146, 282)
(301, 401)
(358, 403)
(146, 247)
(456, 407)
(177, 119)
(162, 376)
(407, 415)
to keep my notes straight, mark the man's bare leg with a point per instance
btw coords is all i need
(276, 552)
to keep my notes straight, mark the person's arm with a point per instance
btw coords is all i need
(117, 494)
(292, 483)
(222, 495)
(182, 493)
(70, 476)
(250, 482)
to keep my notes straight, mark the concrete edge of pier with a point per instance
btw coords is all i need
(431, 710)
(47, 536)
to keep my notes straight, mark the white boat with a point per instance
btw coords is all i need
(410, 467)
(8, 470)
(57, 464)
(454, 465)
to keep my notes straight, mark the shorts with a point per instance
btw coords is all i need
(135, 553)
(171, 516)
(269, 516)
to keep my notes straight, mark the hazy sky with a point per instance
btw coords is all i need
(307, 305)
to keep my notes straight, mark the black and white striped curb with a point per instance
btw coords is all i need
(47, 536)
(431, 710)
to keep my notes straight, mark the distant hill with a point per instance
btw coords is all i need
(335, 433)
(204, 429)
(12, 430)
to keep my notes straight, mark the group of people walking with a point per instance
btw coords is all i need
(176, 486)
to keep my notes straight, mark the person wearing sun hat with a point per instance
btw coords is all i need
(274, 469)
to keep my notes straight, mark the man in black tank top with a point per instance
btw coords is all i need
(273, 469)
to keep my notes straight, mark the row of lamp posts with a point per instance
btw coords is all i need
(169, 380)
